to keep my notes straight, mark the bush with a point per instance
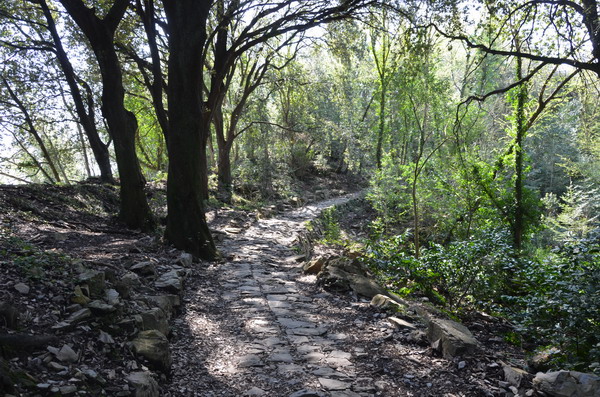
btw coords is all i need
(474, 271)
(562, 306)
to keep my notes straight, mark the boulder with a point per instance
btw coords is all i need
(166, 302)
(314, 266)
(147, 268)
(381, 301)
(344, 274)
(154, 318)
(94, 280)
(451, 338)
(81, 295)
(401, 324)
(154, 347)
(143, 384)
(126, 283)
(98, 307)
(568, 384)
(514, 376)
(170, 281)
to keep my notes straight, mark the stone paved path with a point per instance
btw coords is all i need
(256, 326)
(278, 342)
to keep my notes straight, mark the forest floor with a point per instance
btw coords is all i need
(251, 324)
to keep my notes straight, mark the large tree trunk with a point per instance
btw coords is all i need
(122, 124)
(188, 129)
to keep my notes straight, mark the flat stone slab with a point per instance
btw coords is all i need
(328, 372)
(333, 384)
(291, 323)
(314, 357)
(250, 360)
(308, 331)
(281, 358)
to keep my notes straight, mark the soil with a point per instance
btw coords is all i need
(250, 324)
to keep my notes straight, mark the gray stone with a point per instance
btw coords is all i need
(106, 338)
(100, 308)
(451, 338)
(154, 318)
(281, 358)
(250, 360)
(154, 347)
(568, 384)
(170, 281)
(126, 283)
(314, 357)
(291, 323)
(167, 303)
(308, 331)
(56, 366)
(147, 268)
(401, 324)
(185, 259)
(332, 384)
(143, 384)
(307, 393)
(290, 368)
(112, 296)
(255, 391)
(513, 375)
(67, 355)
(79, 316)
(67, 390)
(22, 288)
(329, 373)
(95, 281)
(344, 274)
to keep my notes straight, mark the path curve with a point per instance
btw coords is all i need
(254, 325)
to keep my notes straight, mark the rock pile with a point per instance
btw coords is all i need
(109, 317)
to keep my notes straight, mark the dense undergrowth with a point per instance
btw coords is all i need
(551, 296)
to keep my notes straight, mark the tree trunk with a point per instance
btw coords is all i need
(520, 130)
(188, 131)
(224, 178)
(86, 119)
(122, 124)
(224, 173)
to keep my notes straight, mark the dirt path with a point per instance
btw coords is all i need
(254, 325)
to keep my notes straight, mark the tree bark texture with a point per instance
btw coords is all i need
(122, 124)
(188, 130)
(86, 119)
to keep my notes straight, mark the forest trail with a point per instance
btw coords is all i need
(255, 325)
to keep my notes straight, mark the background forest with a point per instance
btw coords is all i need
(475, 126)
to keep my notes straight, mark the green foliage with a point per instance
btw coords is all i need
(332, 232)
(388, 194)
(561, 307)
(573, 217)
(30, 260)
(474, 271)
